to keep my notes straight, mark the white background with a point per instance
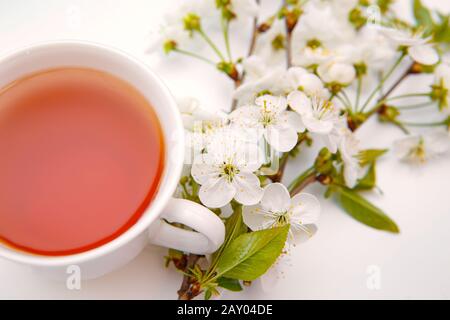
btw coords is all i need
(333, 264)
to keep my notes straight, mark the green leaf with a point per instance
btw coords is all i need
(423, 16)
(234, 227)
(208, 294)
(442, 30)
(369, 180)
(250, 255)
(370, 155)
(365, 212)
(229, 284)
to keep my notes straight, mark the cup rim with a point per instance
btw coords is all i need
(170, 178)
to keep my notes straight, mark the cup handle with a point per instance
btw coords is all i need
(209, 231)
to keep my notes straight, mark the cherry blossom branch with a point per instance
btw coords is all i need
(288, 47)
(309, 176)
(380, 85)
(279, 175)
(384, 97)
(302, 181)
(185, 292)
(289, 24)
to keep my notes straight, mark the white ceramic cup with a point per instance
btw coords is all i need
(151, 228)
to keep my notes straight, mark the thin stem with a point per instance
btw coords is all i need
(304, 179)
(211, 44)
(184, 291)
(310, 179)
(429, 124)
(194, 55)
(344, 94)
(342, 100)
(225, 30)
(383, 98)
(416, 106)
(358, 92)
(288, 49)
(288, 40)
(279, 175)
(380, 85)
(410, 95)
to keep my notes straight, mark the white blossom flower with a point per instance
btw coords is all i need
(270, 118)
(302, 80)
(171, 33)
(311, 56)
(318, 115)
(201, 125)
(271, 45)
(194, 114)
(420, 148)
(349, 150)
(260, 77)
(226, 171)
(319, 30)
(369, 48)
(333, 139)
(321, 24)
(277, 209)
(419, 48)
(337, 71)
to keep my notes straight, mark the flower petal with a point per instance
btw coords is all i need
(402, 147)
(300, 102)
(292, 119)
(312, 85)
(316, 125)
(281, 138)
(274, 103)
(204, 171)
(246, 116)
(276, 198)
(303, 234)
(351, 174)
(216, 192)
(424, 54)
(248, 189)
(437, 142)
(305, 209)
(255, 218)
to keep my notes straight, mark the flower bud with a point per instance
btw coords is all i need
(439, 93)
(388, 114)
(324, 161)
(192, 22)
(169, 46)
(230, 69)
(184, 180)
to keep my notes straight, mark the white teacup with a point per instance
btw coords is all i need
(151, 228)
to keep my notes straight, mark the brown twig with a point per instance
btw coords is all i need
(395, 85)
(304, 184)
(379, 103)
(279, 175)
(289, 50)
(184, 293)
